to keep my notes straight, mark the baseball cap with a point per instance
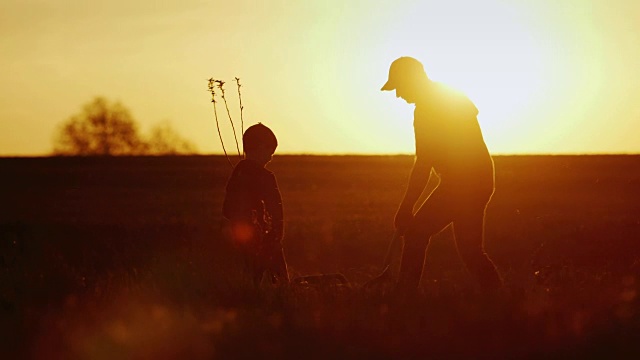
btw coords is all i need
(400, 69)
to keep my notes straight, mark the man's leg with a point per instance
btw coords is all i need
(469, 233)
(431, 218)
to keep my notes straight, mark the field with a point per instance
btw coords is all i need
(106, 258)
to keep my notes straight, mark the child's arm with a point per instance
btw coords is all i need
(273, 205)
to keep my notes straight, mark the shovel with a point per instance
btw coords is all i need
(386, 274)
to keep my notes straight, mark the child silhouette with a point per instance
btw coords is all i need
(252, 208)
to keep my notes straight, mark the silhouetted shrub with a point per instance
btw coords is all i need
(164, 140)
(103, 128)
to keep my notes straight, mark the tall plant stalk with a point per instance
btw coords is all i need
(241, 108)
(215, 112)
(226, 105)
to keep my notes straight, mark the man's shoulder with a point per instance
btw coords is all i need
(444, 101)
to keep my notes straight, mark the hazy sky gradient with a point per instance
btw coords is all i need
(548, 76)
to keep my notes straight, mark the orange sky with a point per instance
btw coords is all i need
(548, 76)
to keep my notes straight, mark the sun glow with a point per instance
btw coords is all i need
(486, 50)
(547, 76)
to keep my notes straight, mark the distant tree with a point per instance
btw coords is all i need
(164, 140)
(104, 128)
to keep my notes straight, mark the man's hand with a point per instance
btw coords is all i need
(404, 217)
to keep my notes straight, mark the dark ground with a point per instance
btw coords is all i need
(121, 258)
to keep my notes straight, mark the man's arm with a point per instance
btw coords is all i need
(421, 169)
(417, 181)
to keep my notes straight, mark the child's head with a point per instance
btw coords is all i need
(259, 143)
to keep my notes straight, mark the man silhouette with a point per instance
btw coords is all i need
(448, 140)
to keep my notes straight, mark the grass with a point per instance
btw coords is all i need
(121, 258)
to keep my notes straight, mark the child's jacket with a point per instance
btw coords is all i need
(253, 201)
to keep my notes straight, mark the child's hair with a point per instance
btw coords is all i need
(259, 135)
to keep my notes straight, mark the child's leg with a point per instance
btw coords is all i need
(252, 263)
(256, 275)
(279, 265)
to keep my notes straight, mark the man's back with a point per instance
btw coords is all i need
(448, 133)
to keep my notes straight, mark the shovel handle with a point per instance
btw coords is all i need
(397, 237)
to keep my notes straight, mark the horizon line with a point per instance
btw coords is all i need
(8, 156)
